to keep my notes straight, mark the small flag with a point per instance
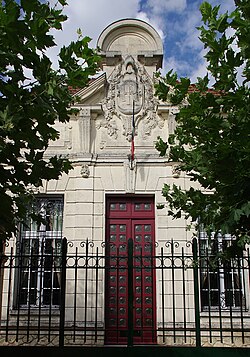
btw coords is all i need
(133, 134)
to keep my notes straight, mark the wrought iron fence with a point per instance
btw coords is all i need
(97, 294)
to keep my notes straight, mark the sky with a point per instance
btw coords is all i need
(175, 21)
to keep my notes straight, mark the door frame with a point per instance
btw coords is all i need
(132, 214)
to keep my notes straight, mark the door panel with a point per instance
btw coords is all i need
(144, 282)
(126, 219)
(117, 280)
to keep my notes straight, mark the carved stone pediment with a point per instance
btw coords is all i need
(129, 83)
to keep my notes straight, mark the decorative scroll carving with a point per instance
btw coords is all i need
(128, 83)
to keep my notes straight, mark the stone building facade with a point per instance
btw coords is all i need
(107, 199)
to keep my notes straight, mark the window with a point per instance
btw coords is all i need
(222, 282)
(39, 255)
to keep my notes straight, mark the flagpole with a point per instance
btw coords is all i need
(133, 135)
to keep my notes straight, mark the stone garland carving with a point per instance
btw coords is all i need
(128, 83)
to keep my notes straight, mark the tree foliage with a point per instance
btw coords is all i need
(211, 142)
(32, 97)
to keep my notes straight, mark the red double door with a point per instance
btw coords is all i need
(130, 217)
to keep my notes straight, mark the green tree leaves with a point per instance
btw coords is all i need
(212, 138)
(32, 97)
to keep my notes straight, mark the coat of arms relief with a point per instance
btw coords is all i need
(129, 86)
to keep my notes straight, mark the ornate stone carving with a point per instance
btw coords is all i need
(130, 172)
(84, 112)
(102, 145)
(85, 172)
(129, 83)
(171, 120)
(176, 171)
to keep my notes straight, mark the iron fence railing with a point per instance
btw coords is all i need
(83, 294)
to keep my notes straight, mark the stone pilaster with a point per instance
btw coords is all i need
(84, 129)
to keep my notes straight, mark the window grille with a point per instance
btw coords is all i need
(40, 255)
(222, 281)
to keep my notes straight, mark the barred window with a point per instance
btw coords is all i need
(222, 281)
(40, 255)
